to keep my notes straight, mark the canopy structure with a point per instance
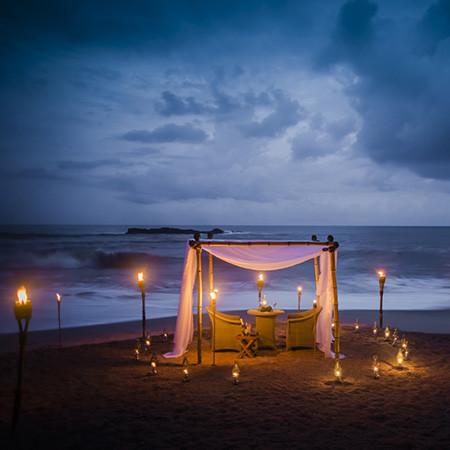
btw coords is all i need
(261, 256)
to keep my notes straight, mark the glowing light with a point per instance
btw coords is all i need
(387, 333)
(235, 372)
(356, 326)
(136, 353)
(381, 274)
(299, 289)
(22, 297)
(338, 371)
(58, 297)
(375, 367)
(153, 365)
(264, 301)
(314, 303)
(375, 329)
(400, 358)
(185, 370)
(213, 296)
(261, 277)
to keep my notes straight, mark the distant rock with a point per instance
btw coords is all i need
(170, 230)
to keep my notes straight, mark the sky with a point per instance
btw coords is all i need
(225, 112)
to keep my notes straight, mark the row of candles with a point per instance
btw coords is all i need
(23, 310)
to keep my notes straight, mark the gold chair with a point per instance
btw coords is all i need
(301, 329)
(227, 328)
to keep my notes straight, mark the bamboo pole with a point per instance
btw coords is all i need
(317, 273)
(199, 305)
(337, 331)
(262, 243)
(266, 243)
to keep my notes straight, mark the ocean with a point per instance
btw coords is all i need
(94, 269)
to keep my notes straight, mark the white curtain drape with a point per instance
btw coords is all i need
(256, 257)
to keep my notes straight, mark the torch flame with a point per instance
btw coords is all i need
(261, 277)
(58, 297)
(22, 295)
(299, 289)
(380, 273)
(140, 277)
(213, 295)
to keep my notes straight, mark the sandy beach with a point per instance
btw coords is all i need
(97, 396)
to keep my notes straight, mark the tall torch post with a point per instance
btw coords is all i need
(381, 281)
(299, 297)
(140, 279)
(260, 286)
(22, 312)
(58, 302)
(213, 300)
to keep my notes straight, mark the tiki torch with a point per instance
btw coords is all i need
(260, 285)
(140, 279)
(381, 280)
(22, 311)
(299, 296)
(58, 302)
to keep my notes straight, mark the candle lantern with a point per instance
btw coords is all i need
(315, 303)
(264, 300)
(137, 355)
(374, 330)
(387, 333)
(394, 337)
(338, 371)
(185, 370)
(404, 347)
(153, 365)
(23, 311)
(299, 296)
(260, 286)
(356, 326)
(400, 359)
(235, 372)
(375, 367)
(381, 281)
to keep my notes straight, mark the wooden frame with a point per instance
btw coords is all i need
(328, 246)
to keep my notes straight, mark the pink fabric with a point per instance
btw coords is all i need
(261, 258)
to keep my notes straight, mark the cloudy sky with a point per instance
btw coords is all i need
(225, 112)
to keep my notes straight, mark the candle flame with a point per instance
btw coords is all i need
(140, 277)
(299, 289)
(58, 297)
(22, 295)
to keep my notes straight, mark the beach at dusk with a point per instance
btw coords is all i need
(224, 224)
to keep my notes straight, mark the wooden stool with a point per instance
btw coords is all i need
(248, 345)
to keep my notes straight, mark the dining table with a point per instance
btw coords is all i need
(265, 326)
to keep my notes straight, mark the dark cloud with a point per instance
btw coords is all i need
(355, 22)
(287, 113)
(88, 165)
(435, 25)
(174, 105)
(401, 96)
(167, 133)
